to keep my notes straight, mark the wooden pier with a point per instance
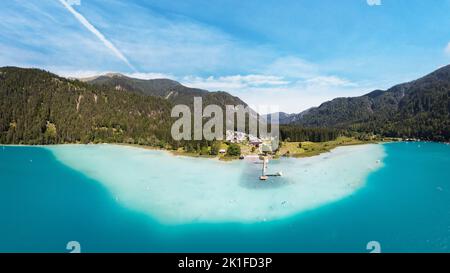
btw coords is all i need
(264, 176)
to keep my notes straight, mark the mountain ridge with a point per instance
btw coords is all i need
(419, 108)
(39, 107)
(168, 89)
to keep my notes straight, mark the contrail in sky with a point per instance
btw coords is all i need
(97, 33)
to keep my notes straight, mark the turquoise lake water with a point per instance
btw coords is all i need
(404, 204)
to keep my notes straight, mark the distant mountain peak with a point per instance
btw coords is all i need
(170, 90)
(113, 74)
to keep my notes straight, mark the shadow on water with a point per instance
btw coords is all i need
(252, 171)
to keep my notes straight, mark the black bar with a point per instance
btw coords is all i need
(248, 262)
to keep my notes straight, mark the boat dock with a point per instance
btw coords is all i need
(264, 176)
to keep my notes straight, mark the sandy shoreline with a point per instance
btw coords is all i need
(180, 154)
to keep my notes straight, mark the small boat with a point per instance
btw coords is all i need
(263, 177)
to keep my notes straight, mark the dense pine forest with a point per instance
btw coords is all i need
(37, 107)
(292, 133)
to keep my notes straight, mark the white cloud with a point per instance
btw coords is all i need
(291, 66)
(80, 74)
(374, 2)
(447, 49)
(74, 2)
(149, 75)
(96, 32)
(330, 81)
(300, 95)
(232, 83)
(256, 80)
(291, 95)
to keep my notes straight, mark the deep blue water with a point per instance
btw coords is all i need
(405, 206)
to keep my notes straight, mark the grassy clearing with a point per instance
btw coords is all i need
(306, 149)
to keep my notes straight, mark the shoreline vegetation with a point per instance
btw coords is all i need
(296, 149)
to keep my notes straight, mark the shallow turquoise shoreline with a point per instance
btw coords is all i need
(177, 190)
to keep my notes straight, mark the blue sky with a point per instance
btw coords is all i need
(295, 54)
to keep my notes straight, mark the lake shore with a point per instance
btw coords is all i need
(288, 149)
